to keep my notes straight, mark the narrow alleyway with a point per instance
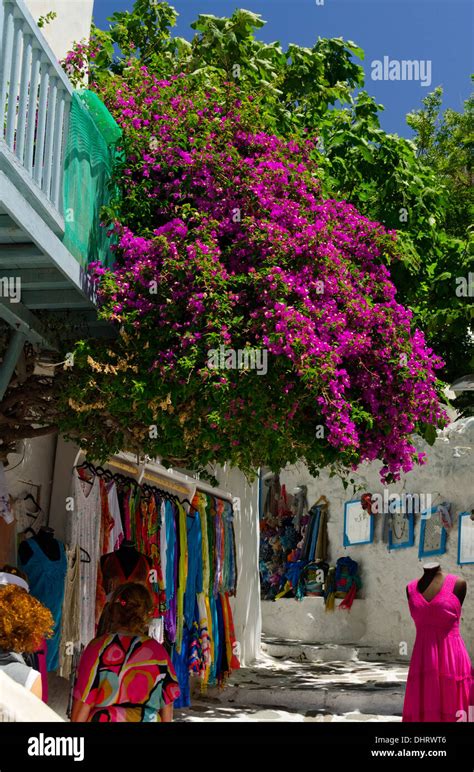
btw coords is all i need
(301, 682)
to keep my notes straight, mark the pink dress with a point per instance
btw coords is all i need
(439, 678)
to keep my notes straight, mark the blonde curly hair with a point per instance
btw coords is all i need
(24, 621)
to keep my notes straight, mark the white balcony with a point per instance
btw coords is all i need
(35, 106)
(35, 101)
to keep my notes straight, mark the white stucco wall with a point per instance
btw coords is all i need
(246, 604)
(381, 616)
(29, 471)
(72, 23)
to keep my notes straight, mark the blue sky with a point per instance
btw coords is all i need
(436, 31)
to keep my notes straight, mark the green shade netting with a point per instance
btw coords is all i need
(89, 160)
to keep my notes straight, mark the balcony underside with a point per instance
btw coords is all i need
(34, 258)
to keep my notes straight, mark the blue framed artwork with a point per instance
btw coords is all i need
(401, 528)
(358, 524)
(465, 539)
(432, 534)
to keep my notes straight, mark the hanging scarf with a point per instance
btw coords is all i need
(170, 551)
(300, 505)
(170, 616)
(347, 581)
(210, 514)
(182, 575)
(446, 515)
(270, 507)
(199, 504)
(330, 589)
(349, 599)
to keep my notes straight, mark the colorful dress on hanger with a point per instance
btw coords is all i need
(439, 678)
(116, 534)
(106, 546)
(46, 580)
(172, 521)
(125, 678)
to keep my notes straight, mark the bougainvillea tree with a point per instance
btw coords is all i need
(224, 243)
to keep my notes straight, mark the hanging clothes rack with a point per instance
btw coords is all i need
(156, 473)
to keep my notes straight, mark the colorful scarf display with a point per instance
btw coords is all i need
(194, 565)
(205, 643)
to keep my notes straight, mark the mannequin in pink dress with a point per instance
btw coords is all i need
(440, 675)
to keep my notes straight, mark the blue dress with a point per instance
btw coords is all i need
(46, 579)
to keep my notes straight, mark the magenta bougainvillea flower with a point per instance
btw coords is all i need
(225, 244)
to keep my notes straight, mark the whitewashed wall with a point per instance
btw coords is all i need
(72, 23)
(29, 471)
(246, 604)
(381, 616)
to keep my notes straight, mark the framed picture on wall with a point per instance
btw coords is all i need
(358, 524)
(432, 534)
(401, 528)
(465, 539)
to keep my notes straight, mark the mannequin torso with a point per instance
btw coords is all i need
(128, 557)
(432, 581)
(45, 539)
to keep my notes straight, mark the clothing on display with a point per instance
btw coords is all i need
(183, 552)
(71, 616)
(85, 532)
(440, 675)
(347, 581)
(43, 560)
(124, 565)
(292, 538)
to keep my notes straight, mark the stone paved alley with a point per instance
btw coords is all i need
(301, 682)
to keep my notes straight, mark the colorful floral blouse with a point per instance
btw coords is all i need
(125, 677)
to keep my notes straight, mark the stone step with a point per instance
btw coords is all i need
(309, 652)
(213, 710)
(326, 652)
(331, 687)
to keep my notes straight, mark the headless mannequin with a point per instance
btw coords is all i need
(47, 542)
(433, 579)
(128, 557)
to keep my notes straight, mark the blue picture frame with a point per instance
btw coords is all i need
(422, 553)
(354, 509)
(461, 517)
(411, 535)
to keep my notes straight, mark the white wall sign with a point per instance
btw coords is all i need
(358, 524)
(466, 538)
